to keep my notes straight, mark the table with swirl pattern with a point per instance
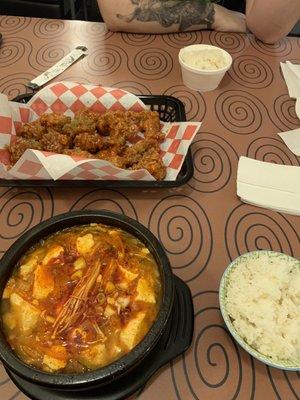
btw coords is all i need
(202, 225)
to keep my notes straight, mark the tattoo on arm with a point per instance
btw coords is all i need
(168, 12)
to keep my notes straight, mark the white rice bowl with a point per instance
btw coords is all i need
(260, 303)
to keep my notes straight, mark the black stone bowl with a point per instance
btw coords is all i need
(126, 363)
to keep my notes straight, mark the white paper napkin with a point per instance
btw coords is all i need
(297, 107)
(268, 185)
(291, 74)
(292, 140)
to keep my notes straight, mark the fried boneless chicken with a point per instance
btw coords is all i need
(54, 141)
(54, 121)
(20, 145)
(33, 130)
(145, 154)
(114, 136)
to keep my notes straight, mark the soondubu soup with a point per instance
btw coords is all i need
(80, 299)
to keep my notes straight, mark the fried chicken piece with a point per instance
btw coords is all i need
(102, 125)
(107, 135)
(145, 154)
(119, 124)
(84, 121)
(127, 124)
(54, 141)
(134, 153)
(32, 130)
(107, 122)
(54, 120)
(150, 125)
(86, 115)
(117, 143)
(17, 148)
(76, 152)
(91, 142)
(111, 156)
(70, 130)
(152, 162)
(135, 116)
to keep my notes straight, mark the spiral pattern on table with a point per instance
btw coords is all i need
(15, 84)
(94, 32)
(239, 112)
(214, 362)
(20, 210)
(48, 55)
(137, 39)
(251, 72)
(3, 376)
(249, 228)
(283, 114)
(51, 28)
(271, 150)
(281, 48)
(151, 64)
(13, 24)
(289, 383)
(8, 387)
(104, 60)
(182, 39)
(214, 160)
(13, 49)
(111, 200)
(193, 101)
(231, 42)
(179, 222)
(132, 87)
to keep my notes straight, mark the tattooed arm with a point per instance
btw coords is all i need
(163, 16)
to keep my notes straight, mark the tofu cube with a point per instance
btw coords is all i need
(109, 311)
(9, 288)
(133, 331)
(128, 275)
(26, 314)
(94, 357)
(77, 275)
(56, 358)
(123, 285)
(85, 243)
(9, 320)
(28, 267)
(79, 263)
(110, 287)
(43, 282)
(123, 301)
(53, 252)
(115, 351)
(145, 292)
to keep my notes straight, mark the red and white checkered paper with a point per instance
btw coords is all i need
(67, 98)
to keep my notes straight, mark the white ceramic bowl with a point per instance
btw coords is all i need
(222, 294)
(203, 80)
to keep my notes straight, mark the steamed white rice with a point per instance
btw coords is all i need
(263, 301)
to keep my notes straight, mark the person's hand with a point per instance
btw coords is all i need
(228, 21)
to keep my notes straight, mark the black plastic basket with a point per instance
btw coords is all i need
(169, 108)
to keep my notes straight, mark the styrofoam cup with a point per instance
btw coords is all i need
(203, 80)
